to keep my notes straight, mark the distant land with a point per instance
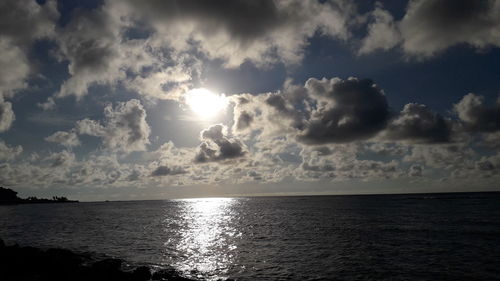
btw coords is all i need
(9, 197)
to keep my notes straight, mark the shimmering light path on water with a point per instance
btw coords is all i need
(206, 243)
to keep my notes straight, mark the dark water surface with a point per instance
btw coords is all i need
(385, 237)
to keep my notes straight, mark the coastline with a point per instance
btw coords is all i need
(29, 263)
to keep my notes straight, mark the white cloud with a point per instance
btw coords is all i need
(260, 31)
(383, 33)
(9, 152)
(124, 128)
(430, 26)
(21, 23)
(6, 115)
(67, 139)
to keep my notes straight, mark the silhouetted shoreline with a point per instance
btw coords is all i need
(29, 263)
(9, 197)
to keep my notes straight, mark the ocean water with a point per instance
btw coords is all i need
(385, 237)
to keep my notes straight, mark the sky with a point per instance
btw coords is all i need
(130, 100)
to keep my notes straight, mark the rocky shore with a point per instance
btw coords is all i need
(33, 264)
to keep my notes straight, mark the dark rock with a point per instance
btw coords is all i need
(142, 273)
(32, 264)
(108, 264)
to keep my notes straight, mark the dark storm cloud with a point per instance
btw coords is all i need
(477, 116)
(166, 171)
(216, 146)
(346, 110)
(417, 123)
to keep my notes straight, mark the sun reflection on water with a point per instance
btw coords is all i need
(204, 243)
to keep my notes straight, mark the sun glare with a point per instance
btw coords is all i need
(205, 103)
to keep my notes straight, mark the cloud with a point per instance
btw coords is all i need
(442, 156)
(166, 171)
(476, 116)
(339, 162)
(260, 31)
(21, 23)
(177, 35)
(25, 21)
(63, 158)
(322, 111)
(9, 152)
(345, 111)
(431, 26)
(7, 116)
(415, 171)
(90, 43)
(14, 68)
(485, 165)
(243, 120)
(67, 139)
(217, 146)
(383, 32)
(417, 123)
(98, 51)
(124, 129)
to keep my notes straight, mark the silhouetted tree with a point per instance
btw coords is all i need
(8, 195)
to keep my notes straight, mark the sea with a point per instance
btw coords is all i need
(453, 236)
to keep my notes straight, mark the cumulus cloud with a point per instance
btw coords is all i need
(260, 31)
(243, 120)
(25, 21)
(322, 111)
(124, 128)
(383, 32)
(443, 156)
(340, 162)
(345, 110)
(476, 115)
(166, 171)
(415, 171)
(431, 26)
(9, 152)
(14, 68)
(218, 146)
(21, 23)
(91, 44)
(6, 115)
(67, 139)
(417, 123)
(63, 158)
(179, 34)
(98, 51)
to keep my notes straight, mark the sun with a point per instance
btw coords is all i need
(205, 103)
